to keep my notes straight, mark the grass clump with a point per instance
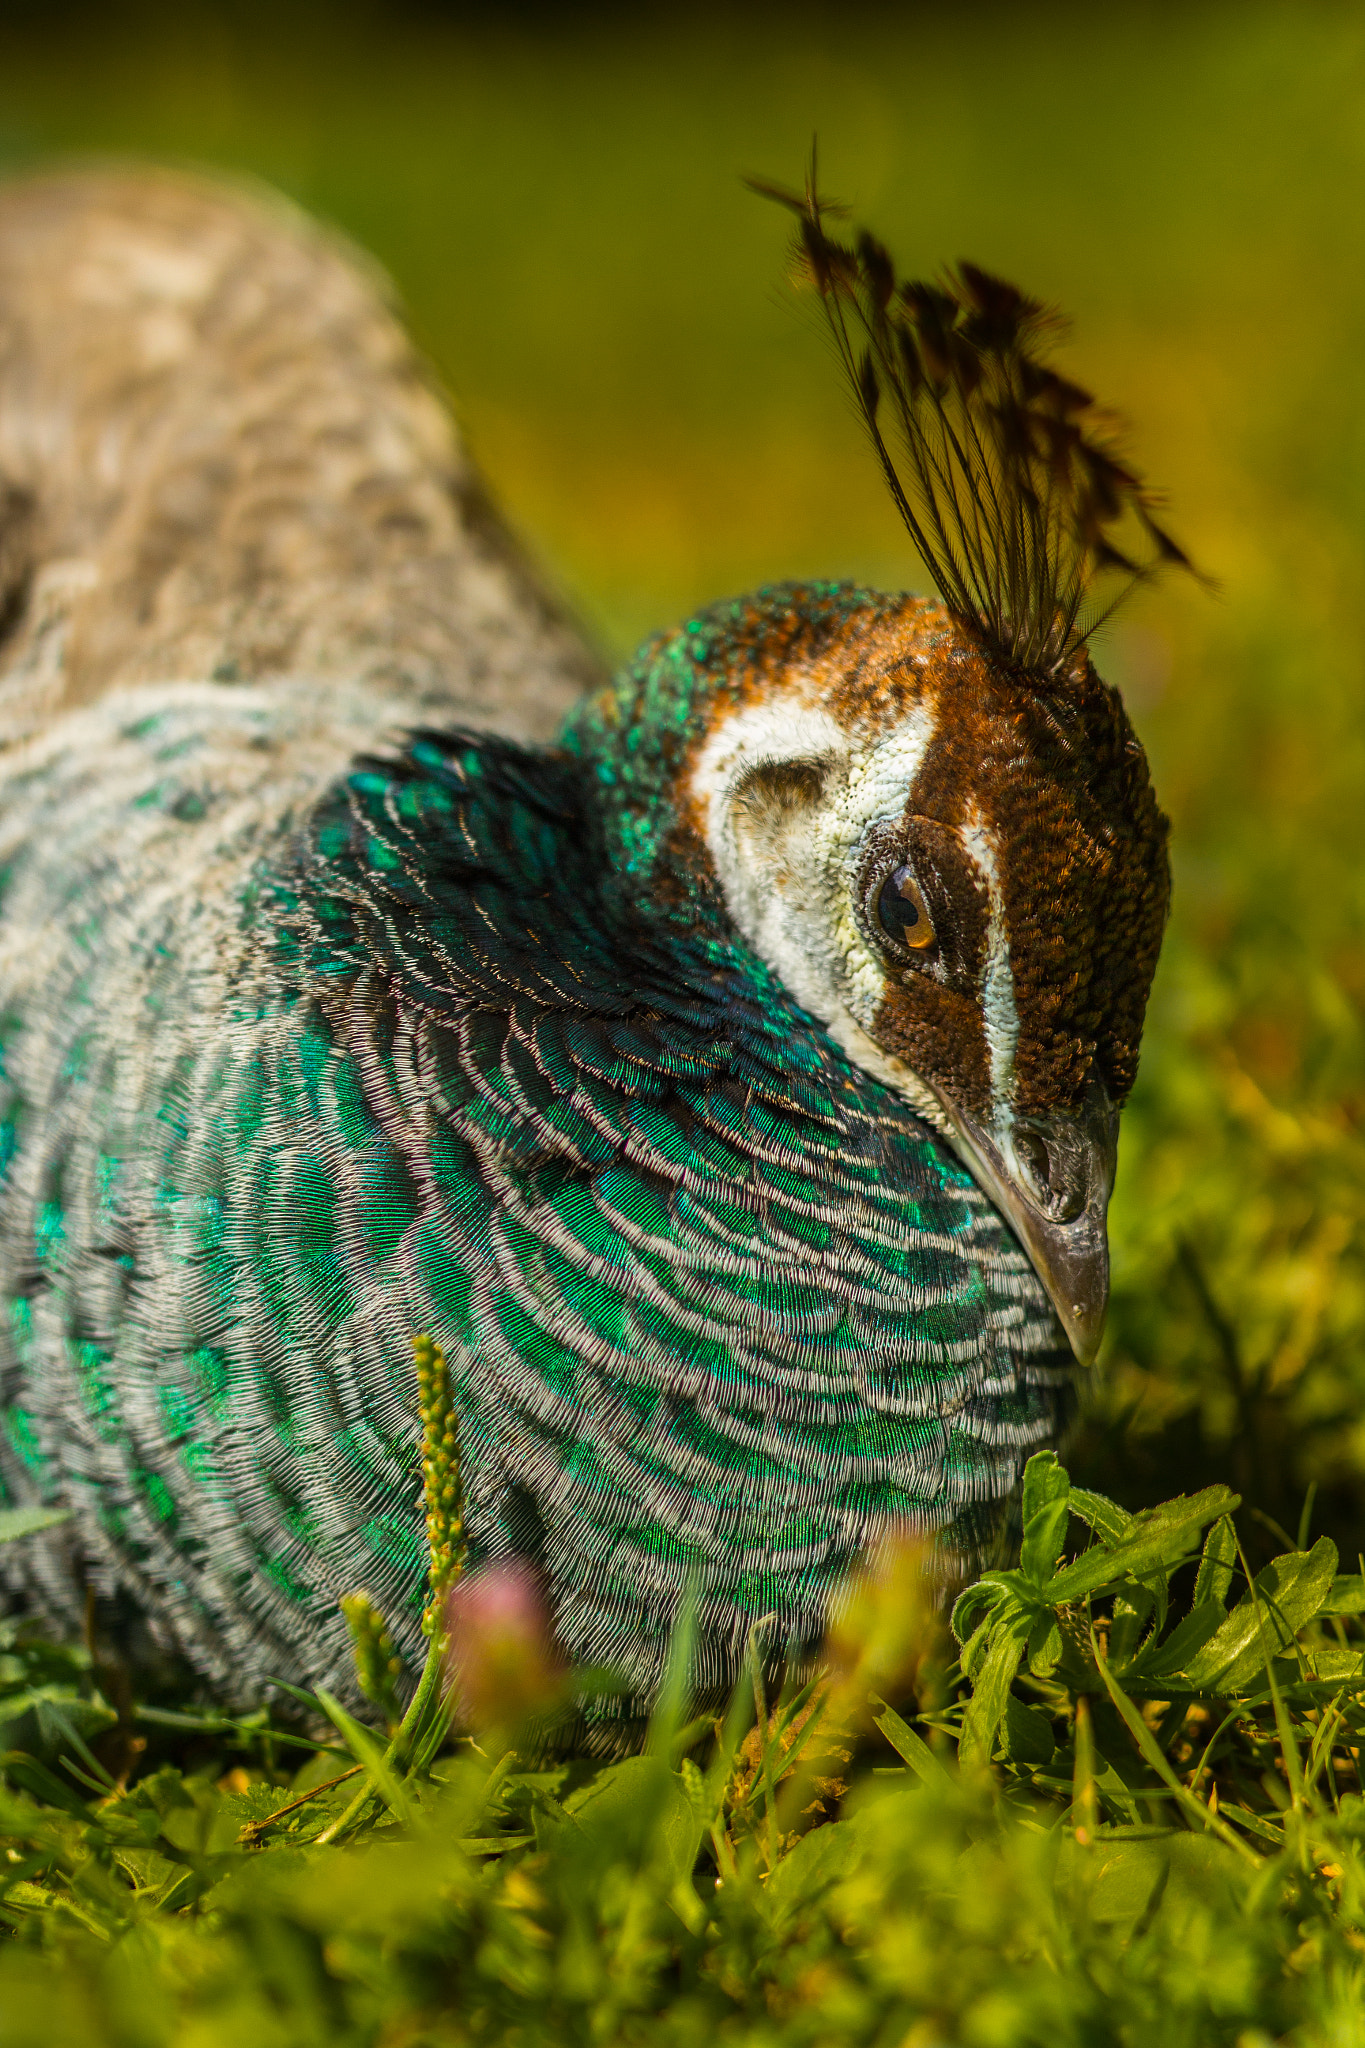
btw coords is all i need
(1120, 1803)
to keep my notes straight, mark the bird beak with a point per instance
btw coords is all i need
(1052, 1176)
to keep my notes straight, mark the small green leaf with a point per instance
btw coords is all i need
(1044, 1646)
(1132, 1612)
(911, 1748)
(991, 1690)
(1155, 1541)
(36, 1779)
(820, 1859)
(1044, 1535)
(1333, 1665)
(1115, 1796)
(1027, 1734)
(1165, 1660)
(975, 1648)
(1285, 1598)
(56, 1700)
(1135, 1874)
(1217, 1564)
(1347, 1596)
(637, 1810)
(1045, 1483)
(973, 1604)
(1109, 1521)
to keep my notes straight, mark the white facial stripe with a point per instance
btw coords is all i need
(880, 780)
(788, 851)
(790, 871)
(999, 1013)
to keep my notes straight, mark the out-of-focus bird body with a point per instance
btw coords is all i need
(638, 1069)
(221, 458)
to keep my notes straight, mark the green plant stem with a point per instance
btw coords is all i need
(419, 1735)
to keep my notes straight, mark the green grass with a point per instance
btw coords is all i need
(1115, 1814)
(559, 202)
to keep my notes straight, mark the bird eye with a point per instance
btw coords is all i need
(902, 911)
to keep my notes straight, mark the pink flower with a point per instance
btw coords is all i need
(503, 1663)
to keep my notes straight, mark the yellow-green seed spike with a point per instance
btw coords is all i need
(441, 1490)
(377, 1662)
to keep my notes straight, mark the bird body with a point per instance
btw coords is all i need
(717, 1303)
(672, 1074)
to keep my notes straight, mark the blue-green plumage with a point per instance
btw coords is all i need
(317, 1035)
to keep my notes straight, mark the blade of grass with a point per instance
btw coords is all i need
(667, 1717)
(1289, 1748)
(912, 1749)
(16, 1523)
(1085, 1812)
(376, 1762)
(204, 1724)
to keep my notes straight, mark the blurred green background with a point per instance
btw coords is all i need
(558, 198)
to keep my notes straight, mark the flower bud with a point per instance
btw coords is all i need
(503, 1664)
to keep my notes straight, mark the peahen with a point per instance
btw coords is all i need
(728, 1082)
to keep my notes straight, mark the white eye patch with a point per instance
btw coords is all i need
(758, 737)
(762, 780)
(788, 797)
(880, 781)
(877, 790)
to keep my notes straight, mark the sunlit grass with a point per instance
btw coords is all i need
(561, 207)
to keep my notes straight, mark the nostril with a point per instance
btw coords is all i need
(1056, 1171)
(1032, 1155)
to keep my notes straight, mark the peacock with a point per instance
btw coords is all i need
(720, 1060)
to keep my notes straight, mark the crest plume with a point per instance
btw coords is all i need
(1006, 474)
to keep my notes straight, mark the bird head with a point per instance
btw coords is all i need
(961, 875)
(933, 820)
